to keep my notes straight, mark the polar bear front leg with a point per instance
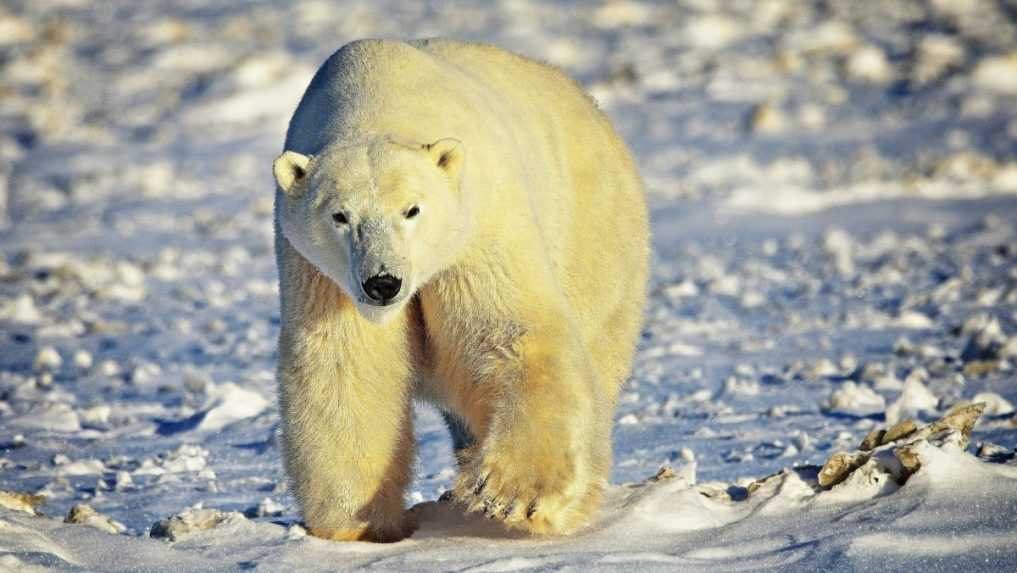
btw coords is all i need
(344, 390)
(347, 437)
(535, 468)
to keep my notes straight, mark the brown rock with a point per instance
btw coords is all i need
(665, 472)
(756, 485)
(85, 515)
(23, 502)
(962, 419)
(902, 429)
(839, 466)
(80, 513)
(872, 440)
(909, 460)
(766, 118)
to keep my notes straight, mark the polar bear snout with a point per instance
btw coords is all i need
(382, 288)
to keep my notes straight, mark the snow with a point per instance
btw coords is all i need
(856, 400)
(833, 193)
(229, 403)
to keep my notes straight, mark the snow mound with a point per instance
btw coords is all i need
(227, 403)
(855, 400)
(231, 403)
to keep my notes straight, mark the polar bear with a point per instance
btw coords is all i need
(461, 225)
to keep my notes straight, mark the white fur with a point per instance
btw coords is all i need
(523, 279)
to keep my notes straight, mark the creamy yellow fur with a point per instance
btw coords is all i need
(524, 278)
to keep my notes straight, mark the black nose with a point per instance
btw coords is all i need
(382, 287)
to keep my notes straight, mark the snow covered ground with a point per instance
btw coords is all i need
(833, 189)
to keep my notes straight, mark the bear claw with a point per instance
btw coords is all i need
(542, 509)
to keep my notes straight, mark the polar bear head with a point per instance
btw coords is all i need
(378, 217)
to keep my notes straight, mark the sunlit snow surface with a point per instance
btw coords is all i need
(833, 190)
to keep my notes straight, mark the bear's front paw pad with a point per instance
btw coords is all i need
(540, 498)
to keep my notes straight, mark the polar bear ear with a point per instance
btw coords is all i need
(447, 154)
(289, 168)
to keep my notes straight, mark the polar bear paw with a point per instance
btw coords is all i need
(541, 494)
(374, 534)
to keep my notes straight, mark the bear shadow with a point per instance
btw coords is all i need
(445, 519)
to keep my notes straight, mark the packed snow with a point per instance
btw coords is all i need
(833, 191)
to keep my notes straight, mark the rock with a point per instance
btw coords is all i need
(109, 368)
(665, 472)
(994, 453)
(770, 480)
(191, 521)
(870, 372)
(23, 502)
(872, 440)
(47, 360)
(897, 451)
(881, 437)
(829, 37)
(766, 118)
(712, 31)
(812, 116)
(899, 431)
(186, 458)
(960, 419)
(98, 415)
(997, 74)
(839, 467)
(621, 14)
(914, 320)
(820, 369)
(935, 56)
(82, 468)
(868, 64)
(903, 347)
(684, 289)
(296, 532)
(15, 30)
(22, 309)
(145, 373)
(85, 515)
(82, 360)
(122, 481)
(974, 324)
(267, 508)
(909, 460)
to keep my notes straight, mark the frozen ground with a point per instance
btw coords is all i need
(834, 198)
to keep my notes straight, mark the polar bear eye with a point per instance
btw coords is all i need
(340, 218)
(412, 212)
